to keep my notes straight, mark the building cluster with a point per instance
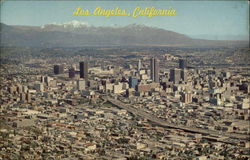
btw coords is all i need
(64, 114)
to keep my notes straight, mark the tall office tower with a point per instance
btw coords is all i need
(154, 68)
(58, 69)
(72, 72)
(182, 63)
(25, 89)
(42, 79)
(84, 70)
(175, 75)
(186, 97)
(28, 97)
(133, 82)
(139, 65)
(23, 97)
(184, 75)
(80, 85)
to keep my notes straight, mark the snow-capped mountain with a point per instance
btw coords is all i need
(77, 33)
(66, 25)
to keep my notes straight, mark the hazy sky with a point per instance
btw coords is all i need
(194, 18)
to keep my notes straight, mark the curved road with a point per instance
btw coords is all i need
(163, 123)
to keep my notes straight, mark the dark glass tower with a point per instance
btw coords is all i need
(58, 69)
(84, 70)
(71, 73)
(175, 75)
(154, 68)
(182, 63)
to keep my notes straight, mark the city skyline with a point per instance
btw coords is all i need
(123, 88)
(196, 109)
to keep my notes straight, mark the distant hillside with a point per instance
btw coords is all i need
(80, 34)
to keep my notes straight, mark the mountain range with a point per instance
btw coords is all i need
(77, 34)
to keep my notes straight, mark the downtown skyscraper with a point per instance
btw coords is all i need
(182, 63)
(175, 75)
(139, 65)
(154, 68)
(84, 70)
(58, 69)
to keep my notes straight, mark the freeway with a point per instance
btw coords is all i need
(161, 122)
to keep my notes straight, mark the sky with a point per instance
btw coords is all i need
(199, 19)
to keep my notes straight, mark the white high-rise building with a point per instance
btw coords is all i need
(139, 65)
(80, 85)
